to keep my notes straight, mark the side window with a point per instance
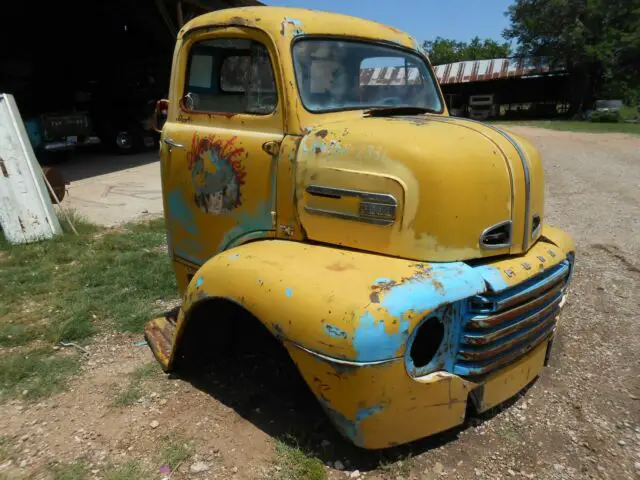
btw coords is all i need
(230, 76)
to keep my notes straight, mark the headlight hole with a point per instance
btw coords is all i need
(426, 342)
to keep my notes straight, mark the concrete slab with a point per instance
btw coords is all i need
(112, 189)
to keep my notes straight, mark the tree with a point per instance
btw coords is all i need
(598, 40)
(443, 50)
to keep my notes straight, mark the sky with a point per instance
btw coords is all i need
(423, 19)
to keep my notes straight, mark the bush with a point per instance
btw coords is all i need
(605, 116)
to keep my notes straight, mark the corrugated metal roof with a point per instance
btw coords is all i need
(465, 72)
(483, 70)
(387, 76)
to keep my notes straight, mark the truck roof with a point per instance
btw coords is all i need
(290, 23)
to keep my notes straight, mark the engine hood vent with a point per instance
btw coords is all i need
(497, 236)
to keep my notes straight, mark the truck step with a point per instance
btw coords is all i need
(160, 334)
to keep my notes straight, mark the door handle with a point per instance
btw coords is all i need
(172, 143)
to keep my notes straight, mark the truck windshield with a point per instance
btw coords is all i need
(337, 74)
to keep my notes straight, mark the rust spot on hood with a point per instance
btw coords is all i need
(239, 21)
(340, 267)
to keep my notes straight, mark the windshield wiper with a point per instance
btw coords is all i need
(391, 111)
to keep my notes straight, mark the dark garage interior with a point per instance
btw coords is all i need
(83, 70)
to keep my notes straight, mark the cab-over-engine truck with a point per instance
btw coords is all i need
(399, 255)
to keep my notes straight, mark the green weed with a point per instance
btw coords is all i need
(39, 373)
(70, 471)
(131, 470)
(575, 126)
(175, 450)
(296, 464)
(77, 284)
(133, 391)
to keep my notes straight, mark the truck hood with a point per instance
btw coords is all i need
(426, 187)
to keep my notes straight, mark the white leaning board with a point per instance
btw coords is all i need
(26, 211)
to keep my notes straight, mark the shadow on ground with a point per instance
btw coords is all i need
(86, 164)
(268, 391)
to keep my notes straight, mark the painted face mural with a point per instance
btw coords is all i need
(217, 173)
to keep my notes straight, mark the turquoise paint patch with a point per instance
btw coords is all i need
(350, 428)
(180, 212)
(248, 223)
(432, 286)
(440, 283)
(320, 145)
(492, 276)
(295, 23)
(371, 342)
(367, 412)
(200, 281)
(334, 331)
(288, 292)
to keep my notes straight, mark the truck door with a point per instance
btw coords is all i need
(220, 141)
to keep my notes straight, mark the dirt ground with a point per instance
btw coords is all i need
(580, 419)
(109, 189)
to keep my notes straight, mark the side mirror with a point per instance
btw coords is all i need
(160, 115)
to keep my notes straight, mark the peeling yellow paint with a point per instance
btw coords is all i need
(345, 233)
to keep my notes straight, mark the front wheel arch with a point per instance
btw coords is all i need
(216, 327)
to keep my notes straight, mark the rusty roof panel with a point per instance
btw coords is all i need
(496, 68)
(465, 72)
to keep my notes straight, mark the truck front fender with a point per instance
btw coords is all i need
(347, 305)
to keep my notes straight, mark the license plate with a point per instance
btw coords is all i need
(72, 139)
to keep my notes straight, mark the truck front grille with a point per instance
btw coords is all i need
(500, 328)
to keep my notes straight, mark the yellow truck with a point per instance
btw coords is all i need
(399, 255)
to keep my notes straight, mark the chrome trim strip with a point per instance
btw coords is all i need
(347, 216)
(499, 245)
(500, 331)
(340, 361)
(527, 176)
(321, 190)
(527, 184)
(498, 146)
(369, 203)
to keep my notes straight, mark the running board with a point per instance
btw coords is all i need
(160, 334)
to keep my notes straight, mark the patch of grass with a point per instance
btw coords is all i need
(145, 372)
(16, 334)
(4, 448)
(77, 284)
(629, 113)
(576, 126)
(41, 372)
(175, 450)
(130, 395)
(133, 390)
(131, 470)
(397, 468)
(296, 464)
(70, 471)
